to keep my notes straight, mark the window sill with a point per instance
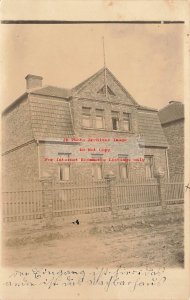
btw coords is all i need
(107, 130)
(63, 181)
(90, 128)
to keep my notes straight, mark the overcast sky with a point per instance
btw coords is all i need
(147, 59)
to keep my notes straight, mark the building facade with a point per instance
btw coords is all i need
(88, 131)
(172, 120)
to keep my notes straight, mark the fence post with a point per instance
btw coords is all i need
(47, 200)
(110, 178)
(161, 189)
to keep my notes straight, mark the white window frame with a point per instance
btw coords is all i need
(95, 167)
(127, 118)
(86, 116)
(62, 168)
(151, 166)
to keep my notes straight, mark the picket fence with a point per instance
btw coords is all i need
(85, 196)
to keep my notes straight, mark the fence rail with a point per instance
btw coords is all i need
(72, 198)
(22, 205)
(80, 197)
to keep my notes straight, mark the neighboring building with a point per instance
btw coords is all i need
(172, 120)
(36, 125)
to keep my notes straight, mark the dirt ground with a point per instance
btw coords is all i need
(154, 241)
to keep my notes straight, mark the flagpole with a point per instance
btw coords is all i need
(105, 74)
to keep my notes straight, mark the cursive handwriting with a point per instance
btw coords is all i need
(104, 277)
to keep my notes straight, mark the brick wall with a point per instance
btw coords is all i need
(16, 126)
(23, 163)
(174, 132)
(49, 168)
(19, 159)
(20, 166)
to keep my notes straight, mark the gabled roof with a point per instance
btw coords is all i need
(64, 93)
(81, 85)
(172, 112)
(53, 92)
(150, 129)
(90, 79)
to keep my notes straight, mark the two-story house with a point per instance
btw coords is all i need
(49, 131)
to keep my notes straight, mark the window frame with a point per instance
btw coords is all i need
(124, 163)
(127, 118)
(117, 123)
(61, 170)
(151, 166)
(100, 114)
(95, 164)
(88, 116)
(115, 116)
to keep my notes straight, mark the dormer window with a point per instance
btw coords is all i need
(115, 120)
(86, 117)
(100, 123)
(126, 122)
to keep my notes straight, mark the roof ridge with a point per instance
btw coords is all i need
(171, 103)
(54, 86)
(92, 77)
(147, 107)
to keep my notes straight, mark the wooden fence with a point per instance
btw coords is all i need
(71, 198)
(137, 193)
(174, 189)
(80, 197)
(25, 203)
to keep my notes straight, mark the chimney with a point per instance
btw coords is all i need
(33, 82)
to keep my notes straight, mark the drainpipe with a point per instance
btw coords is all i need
(39, 169)
(168, 173)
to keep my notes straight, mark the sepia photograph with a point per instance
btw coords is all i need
(93, 145)
(94, 150)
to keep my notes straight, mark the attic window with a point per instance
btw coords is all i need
(115, 120)
(86, 117)
(100, 123)
(126, 122)
(103, 91)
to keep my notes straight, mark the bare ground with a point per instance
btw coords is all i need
(154, 241)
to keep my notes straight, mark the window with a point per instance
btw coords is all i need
(123, 171)
(86, 117)
(103, 91)
(97, 171)
(126, 122)
(115, 120)
(100, 119)
(123, 166)
(148, 159)
(115, 123)
(64, 167)
(64, 172)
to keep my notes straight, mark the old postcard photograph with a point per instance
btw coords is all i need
(94, 159)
